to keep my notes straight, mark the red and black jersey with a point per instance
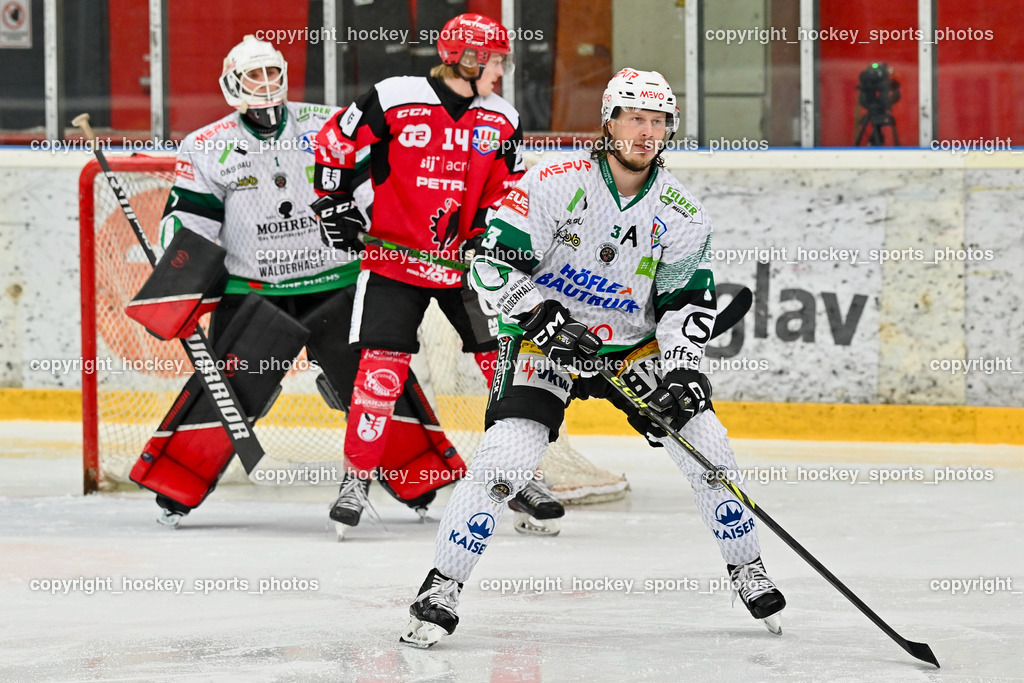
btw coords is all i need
(438, 161)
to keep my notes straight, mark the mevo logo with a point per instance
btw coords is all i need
(652, 95)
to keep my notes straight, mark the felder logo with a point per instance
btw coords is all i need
(415, 135)
(673, 197)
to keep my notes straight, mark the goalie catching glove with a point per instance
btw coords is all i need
(564, 340)
(341, 221)
(680, 396)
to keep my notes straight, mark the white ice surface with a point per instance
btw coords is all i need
(887, 542)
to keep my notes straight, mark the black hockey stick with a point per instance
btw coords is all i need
(726, 318)
(919, 650)
(197, 346)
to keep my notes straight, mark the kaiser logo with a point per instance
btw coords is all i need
(518, 201)
(481, 526)
(371, 426)
(729, 514)
(486, 139)
(415, 135)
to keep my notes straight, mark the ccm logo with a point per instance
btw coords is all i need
(180, 259)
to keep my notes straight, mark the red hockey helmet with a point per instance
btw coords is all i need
(471, 39)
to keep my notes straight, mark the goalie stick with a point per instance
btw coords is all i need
(724, 320)
(197, 347)
(919, 650)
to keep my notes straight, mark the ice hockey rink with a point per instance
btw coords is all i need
(624, 593)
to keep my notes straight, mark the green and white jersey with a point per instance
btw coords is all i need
(630, 268)
(252, 196)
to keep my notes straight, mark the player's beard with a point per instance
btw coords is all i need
(634, 166)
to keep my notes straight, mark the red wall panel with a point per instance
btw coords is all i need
(200, 34)
(981, 81)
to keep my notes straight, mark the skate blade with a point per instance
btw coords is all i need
(525, 524)
(340, 529)
(169, 519)
(422, 634)
(774, 623)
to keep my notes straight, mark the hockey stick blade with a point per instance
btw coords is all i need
(197, 346)
(918, 650)
(733, 313)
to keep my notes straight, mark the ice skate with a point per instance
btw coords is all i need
(169, 518)
(536, 510)
(758, 593)
(347, 509)
(432, 615)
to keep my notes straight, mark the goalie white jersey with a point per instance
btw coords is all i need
(629, 268)
(252, 196)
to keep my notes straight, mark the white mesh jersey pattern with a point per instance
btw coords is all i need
(511, 450)
(600, 260)
(266, 187)
(731, 523)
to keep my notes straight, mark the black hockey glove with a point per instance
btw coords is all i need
(471, 248)
(566, 341)
(680, 396)
(340, 221)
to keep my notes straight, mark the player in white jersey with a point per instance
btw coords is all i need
(596, 257)
(245, 183)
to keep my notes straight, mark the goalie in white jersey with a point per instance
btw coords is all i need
(596, 257)
(240, 208)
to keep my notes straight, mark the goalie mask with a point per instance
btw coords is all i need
(255, 81)
(633, 89)
(470, 40)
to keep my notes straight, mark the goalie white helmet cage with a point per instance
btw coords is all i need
(640, 90)
(248, 55)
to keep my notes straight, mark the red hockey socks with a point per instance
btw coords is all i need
(378, 385)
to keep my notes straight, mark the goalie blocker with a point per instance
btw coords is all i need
(186, 284)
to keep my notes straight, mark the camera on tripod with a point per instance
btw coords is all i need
(878, 92)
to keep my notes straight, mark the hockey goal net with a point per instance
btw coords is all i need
(136, 376)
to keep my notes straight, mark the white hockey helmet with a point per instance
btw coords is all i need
(259, 93)
(640, 90)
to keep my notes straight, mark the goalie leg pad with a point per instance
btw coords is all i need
(190, 450)
(186, 284)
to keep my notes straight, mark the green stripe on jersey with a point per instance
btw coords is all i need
(503, 235)
(335, 278)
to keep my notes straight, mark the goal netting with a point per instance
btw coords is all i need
(136, 376)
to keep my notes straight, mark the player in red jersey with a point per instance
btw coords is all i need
(443, 151)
